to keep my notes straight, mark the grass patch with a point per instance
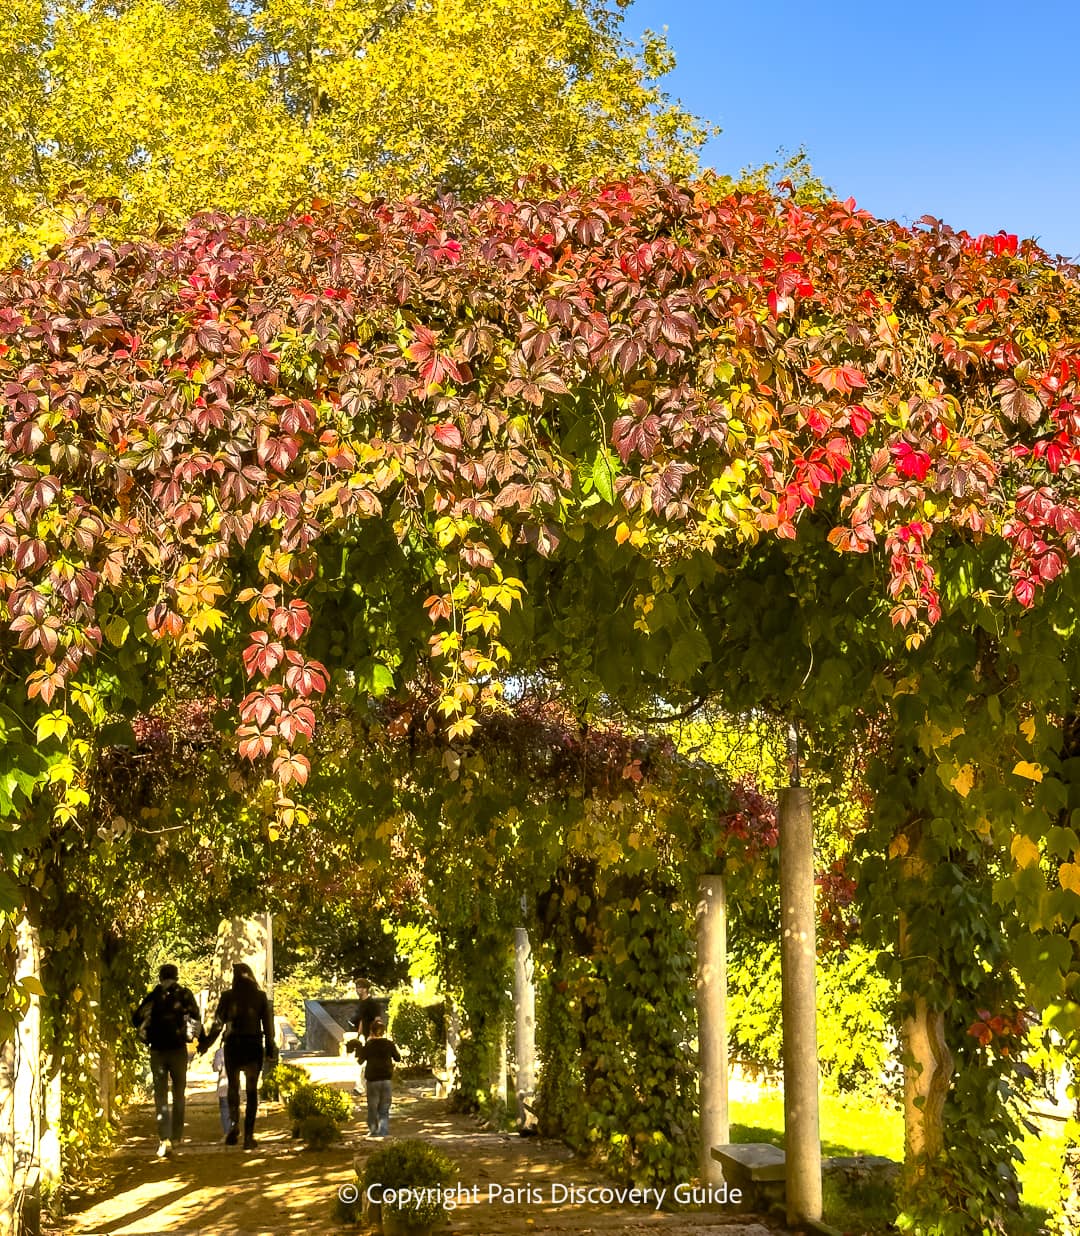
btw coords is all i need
(848, 1126)
(851, 1126)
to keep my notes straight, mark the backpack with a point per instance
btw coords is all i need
(168, 1024)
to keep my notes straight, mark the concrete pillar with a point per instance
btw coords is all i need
(502, 1095)
(8, 1212)
(51, 1159)
(103, 1057)
(268, 986)
(798, 954)
(711, 918)
(248, 940)
(20, 1101)
(453, 1041)
(524, 1027)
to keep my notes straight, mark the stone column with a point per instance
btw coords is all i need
(524, 1026)
(268, 986)
(51, 1160)
(20, 1101)
(248, 940)
(8, 1213)
(103, 1057)
(453, 1041)
(798, 954)
(501, 1094)
(712, 1021)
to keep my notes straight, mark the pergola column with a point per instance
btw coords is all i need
(524, 1026)
(798, 955)
(711, 916)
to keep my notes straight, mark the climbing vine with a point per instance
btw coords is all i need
(651, 442)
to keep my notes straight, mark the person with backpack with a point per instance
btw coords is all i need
(167, 1020)
(243, 1012)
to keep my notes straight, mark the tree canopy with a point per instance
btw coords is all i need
(175, 106)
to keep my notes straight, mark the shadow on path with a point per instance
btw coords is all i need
(280, 1188)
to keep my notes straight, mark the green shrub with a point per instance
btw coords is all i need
(415, 1028)
(411, 1164)
(319, 1131)
(316, 1099)
(348, 1211)
(280, 1080)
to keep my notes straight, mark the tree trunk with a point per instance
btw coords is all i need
(712, 1021)
(927, 1060)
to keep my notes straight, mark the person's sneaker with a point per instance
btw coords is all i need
(163, 1149)
(232, 1137)
(249, 1142)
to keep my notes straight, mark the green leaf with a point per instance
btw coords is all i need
(689, 651)
(603, 476)
(116, 630)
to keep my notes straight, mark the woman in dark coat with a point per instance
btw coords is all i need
(243, 1012)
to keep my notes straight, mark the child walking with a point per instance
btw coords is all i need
(222, 1091)
(379, 1054)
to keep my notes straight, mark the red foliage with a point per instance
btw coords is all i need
(243, 390)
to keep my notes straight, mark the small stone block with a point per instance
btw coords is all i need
(758, 1162)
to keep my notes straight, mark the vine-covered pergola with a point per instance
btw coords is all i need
(658, 445)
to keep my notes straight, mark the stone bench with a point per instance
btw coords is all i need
(758, 1169)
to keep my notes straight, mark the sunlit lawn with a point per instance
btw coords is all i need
(854, 1126)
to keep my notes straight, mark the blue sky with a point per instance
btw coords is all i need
(966, 111)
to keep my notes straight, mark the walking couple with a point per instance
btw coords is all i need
(168, 1021)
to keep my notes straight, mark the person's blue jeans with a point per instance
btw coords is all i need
(166, 1067)
(378, 1107)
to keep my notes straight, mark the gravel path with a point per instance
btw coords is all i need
(513, 1185)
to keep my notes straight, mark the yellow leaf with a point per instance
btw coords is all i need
(1024, 851)
(1027, 728)
(1026, 769)
(898, 846)
(1069, 875)
(964, 780)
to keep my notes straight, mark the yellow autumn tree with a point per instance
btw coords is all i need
(172, 106)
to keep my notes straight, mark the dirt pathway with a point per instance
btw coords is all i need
(280, 1189)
